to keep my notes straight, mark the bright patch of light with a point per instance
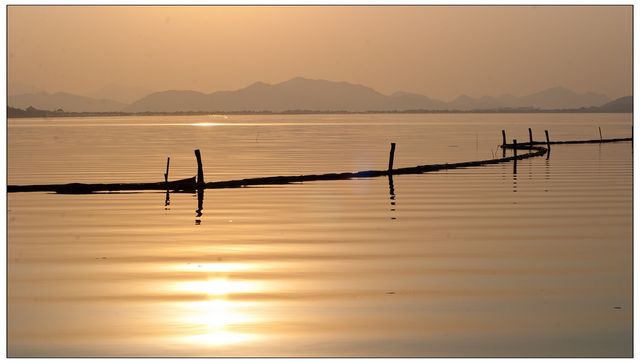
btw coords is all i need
(217, 286)
(206, 124)
(214, 321)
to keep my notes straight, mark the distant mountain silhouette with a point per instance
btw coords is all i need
(559, 97)
(294, 94)
(549, 99)
(321, 95)
(65, 101)
(299, 94)
(466, 103)
(622, 104)
(119, 93)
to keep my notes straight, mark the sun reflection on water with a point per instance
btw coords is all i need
(217, 320)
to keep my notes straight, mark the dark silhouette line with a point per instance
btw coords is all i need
(534, 149)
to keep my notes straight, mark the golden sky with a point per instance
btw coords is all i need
(441, 51)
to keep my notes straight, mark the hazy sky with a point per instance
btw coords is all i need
(441, 52)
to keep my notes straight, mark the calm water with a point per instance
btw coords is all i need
(473, 262)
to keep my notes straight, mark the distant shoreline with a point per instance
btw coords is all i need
(35, 113)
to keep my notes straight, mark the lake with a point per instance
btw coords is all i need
(480, 262)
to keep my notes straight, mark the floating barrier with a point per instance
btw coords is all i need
(533, 148)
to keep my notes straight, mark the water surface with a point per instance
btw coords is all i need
(469, 262)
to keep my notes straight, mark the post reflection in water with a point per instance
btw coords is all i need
(200, 208)
(515, 177)
(200, 193)
(547, 173)
(392, 195)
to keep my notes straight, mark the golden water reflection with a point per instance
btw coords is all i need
(466, 268)
(216, 320)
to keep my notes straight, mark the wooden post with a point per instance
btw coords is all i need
(546, 134)
(391, 153)
(200, 179)
(600, 130)
(504, 138)
(530, 137)
(166, 174)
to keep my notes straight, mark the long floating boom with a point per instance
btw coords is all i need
(534, 148)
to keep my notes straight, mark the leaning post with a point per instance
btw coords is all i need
(600, 130)
(200, 179)
(504, 138)
(530, 137)
(391, 154)
(546, 134)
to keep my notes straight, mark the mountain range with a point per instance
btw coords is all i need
(119, 93)
(298, 94)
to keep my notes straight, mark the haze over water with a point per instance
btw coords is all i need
(468, 262)
(532, 259)
(438, 51)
